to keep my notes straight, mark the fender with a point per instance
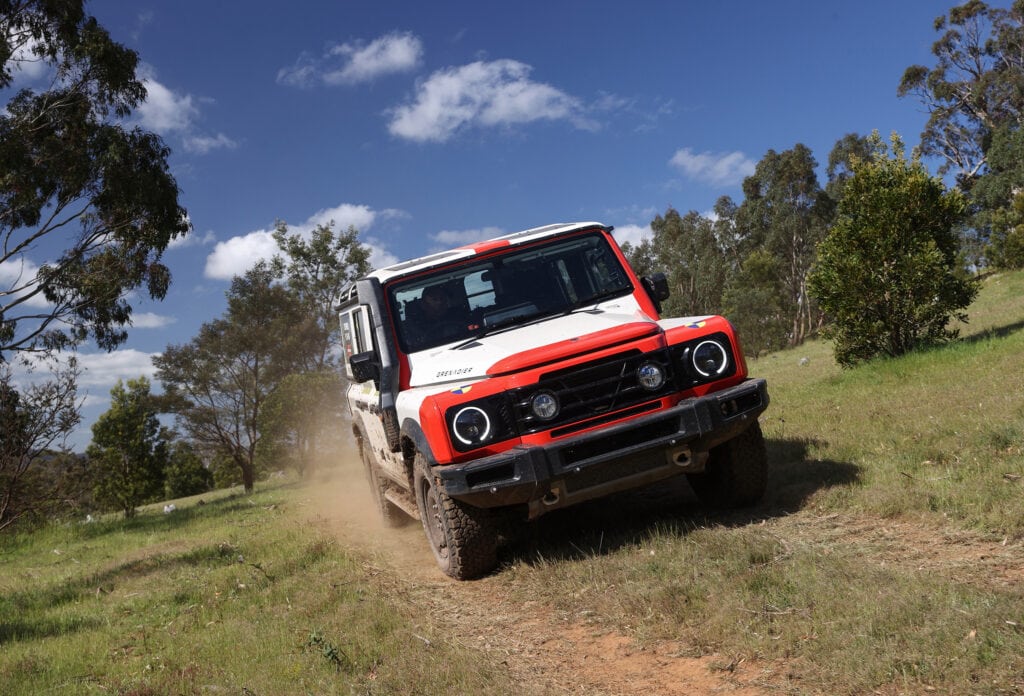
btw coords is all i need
(412, 431)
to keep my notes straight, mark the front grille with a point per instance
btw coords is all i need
(592, 389)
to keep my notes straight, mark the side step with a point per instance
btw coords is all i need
(402, 502)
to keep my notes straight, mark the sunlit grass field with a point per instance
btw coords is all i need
(887, 557)
(240, 595)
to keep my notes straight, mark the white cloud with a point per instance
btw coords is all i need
(239, 254)
(393, 53)
(720, 169)
(149, 320)
(202, 144)
(26, 66)
(456, 238)
(164, 111)
(356, 62)
(634, 234)
(167, 112)
(104, 369)
(192, 239)
(18, 277)
(482, 94)
(343, 216)
(380, 257)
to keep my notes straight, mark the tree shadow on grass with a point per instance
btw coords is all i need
(627, 519)
(14, 629)
(994, 332)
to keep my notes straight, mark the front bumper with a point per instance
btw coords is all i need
(617, 458)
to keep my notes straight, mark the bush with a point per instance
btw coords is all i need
(889, 275)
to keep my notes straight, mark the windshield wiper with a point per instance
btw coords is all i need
(518, 320)
(595, 299)
(505, 324)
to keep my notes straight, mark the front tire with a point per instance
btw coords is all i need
(462, 537)
(736, 473)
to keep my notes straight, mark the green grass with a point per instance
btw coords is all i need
(814, 579)
(937, 433)
(234, 596)
(887, 557)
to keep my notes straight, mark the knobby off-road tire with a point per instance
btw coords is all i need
(462, 537)
(736, 472)
(390, 515)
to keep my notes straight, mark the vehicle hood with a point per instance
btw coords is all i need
(522, 347)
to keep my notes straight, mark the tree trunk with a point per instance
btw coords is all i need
(248, 474)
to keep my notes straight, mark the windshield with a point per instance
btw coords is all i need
(514, 288)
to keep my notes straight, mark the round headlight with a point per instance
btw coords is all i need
(471, 425)
(544, 405)
(650, 376)
(710, 358)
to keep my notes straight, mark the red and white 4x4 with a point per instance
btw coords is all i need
(527, 373)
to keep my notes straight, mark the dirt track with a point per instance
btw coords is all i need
(552, 653)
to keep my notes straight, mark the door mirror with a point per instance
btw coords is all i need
(656, 287)
(365, 367)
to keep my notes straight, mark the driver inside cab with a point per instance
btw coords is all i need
(432, 319)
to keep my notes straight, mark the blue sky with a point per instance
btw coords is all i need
(428, 125)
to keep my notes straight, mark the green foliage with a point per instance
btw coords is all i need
(220, 380)
(999, 201)
(786, 213)
(128, 453)
(317, 271)
(694, 261)
(847, 150)
(975, 87)
(32, 422)
(300, 422)
(755, 305)
(185, 473)
(888, 273)
(67, 165)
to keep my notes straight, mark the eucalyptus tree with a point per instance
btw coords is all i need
(299, 424)
(785, 213)
(77, 181)
(688, 250)
(33, 422)
(317, 268)
(975, 87)
(219, 382)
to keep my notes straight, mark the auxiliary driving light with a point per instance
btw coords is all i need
(650, 376)
(544, 405)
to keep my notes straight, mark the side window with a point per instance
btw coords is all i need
(354, 331)
(357, 326)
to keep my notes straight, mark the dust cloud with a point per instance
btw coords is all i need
(339, 493)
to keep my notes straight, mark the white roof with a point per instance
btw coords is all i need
(509, 240)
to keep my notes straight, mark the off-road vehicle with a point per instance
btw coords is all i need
(502, 380)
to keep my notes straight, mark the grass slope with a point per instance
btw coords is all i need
(236, 596)
(886, 558)
(887, 555)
